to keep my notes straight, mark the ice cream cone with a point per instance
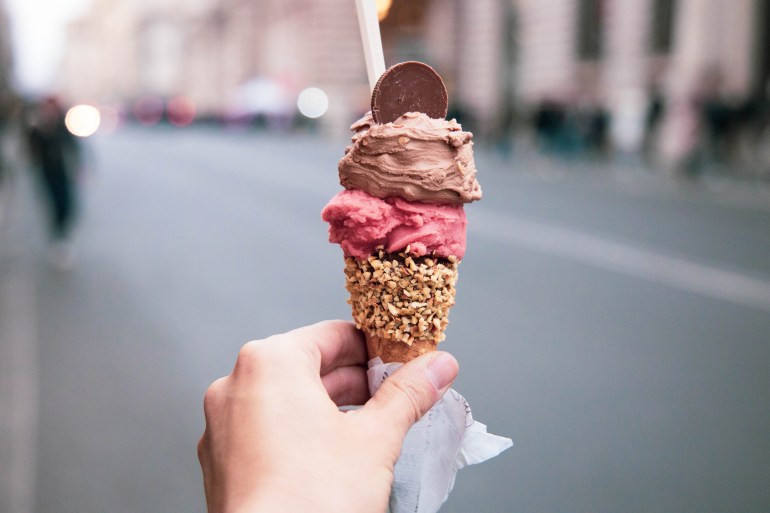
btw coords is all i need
(389, 350)
(401, 302)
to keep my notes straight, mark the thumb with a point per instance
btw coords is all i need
(412, 390)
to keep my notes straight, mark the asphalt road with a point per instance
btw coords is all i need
(615, 326)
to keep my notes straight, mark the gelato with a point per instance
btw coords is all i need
(400, 220)
(361, 223)
(415, 157)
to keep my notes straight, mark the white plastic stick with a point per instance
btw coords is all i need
(370, 37)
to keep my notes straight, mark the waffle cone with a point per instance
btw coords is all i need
(389, 350)
(401, 302)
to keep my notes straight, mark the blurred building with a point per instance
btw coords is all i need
(628, 63)
(621, 54)
(500, 58)
(120, 50)
(210, 50)
(467, 42)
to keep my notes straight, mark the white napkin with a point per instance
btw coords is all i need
(445, 440)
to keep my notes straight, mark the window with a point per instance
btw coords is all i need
(590, 29)
(662, 29)
(762, 50)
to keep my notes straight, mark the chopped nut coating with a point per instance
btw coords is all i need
(401, 297)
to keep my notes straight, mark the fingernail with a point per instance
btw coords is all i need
(442, 370)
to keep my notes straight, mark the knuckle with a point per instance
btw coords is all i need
(203, 448)
(259, 356)
(212, 396)
(250, 350)
(251, 355)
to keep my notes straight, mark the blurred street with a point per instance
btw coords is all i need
(614, 325)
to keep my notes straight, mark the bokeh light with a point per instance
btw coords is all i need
(83, 120)
(148, 110)
(180, 111)
(313, 102)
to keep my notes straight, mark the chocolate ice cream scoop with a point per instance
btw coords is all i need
(415, 157)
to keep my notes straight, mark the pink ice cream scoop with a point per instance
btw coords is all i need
(360, 222)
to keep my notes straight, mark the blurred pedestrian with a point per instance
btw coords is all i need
(55, 152)
(548, 123)
(505, 129)
(597, 135)
(5, 128)
(718, 120)
(656, 108)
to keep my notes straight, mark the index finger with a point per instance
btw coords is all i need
(339, 343)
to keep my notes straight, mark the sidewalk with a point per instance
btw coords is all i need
(18, 351)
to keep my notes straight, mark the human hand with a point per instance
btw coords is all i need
(275, 440)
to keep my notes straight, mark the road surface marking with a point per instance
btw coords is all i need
(633, 261)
